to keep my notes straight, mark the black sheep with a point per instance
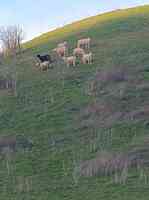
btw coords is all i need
(44, 58)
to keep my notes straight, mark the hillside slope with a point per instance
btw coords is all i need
(75, 115)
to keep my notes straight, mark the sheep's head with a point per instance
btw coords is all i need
(37, 64)
(54, 50)
(38, 56)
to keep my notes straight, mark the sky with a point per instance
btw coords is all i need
(39, 16)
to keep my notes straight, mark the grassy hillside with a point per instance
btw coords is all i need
(73, 115)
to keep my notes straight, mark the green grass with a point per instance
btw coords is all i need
(47, 108)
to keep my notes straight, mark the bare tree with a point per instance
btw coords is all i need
(11, 38)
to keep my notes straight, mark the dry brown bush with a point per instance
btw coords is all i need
(111, 76)
(142, 113)
(98, 108)
(104, 78)
(108, 163)
(105, 164)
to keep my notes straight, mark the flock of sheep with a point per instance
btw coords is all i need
(62, 52)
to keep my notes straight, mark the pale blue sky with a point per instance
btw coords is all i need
(38, 16)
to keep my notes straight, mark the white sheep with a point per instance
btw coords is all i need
(87, 58)
(79, 52)
(61, 51)
(84, 43)
(44, 65)
(64, 44)
(70, 61)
